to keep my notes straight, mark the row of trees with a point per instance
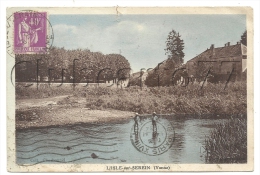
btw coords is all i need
(84, 65)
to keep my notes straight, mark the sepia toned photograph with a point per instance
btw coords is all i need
(130, 91)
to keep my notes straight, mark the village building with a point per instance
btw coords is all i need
(138, 78)
(229, 60)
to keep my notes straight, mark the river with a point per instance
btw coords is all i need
(109, 143)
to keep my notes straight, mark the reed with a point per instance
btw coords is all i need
(227, 143)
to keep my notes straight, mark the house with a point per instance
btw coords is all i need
(137, 78)
(227, 61)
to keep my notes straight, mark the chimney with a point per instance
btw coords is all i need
(227, 44)
(238, 42)
(212, 50)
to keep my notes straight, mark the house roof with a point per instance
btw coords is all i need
(221, 52)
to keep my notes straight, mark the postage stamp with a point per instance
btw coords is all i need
(130, 89)
(30, 32)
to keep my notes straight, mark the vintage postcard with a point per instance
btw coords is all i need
(130, 89)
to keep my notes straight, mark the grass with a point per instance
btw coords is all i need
(44, 91)
(211, 99)
(227, 143)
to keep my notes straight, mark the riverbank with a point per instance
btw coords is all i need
(62, 110)
(63, 116)
(44, 107)
(211, 99)
(110, 106)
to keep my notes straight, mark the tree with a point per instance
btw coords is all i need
(174, 47)
(244, 38)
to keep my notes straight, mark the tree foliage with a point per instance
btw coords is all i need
(163, 74)
(87, 65)
(174, 47)
(244, 38)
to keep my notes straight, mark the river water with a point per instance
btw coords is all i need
(109, 143)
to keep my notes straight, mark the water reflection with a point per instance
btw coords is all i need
(110, 143)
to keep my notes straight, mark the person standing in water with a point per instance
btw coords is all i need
(154, 118)
(136, 119)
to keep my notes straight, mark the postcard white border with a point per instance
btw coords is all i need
(175, 166)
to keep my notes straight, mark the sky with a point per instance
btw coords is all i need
(141, 38)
